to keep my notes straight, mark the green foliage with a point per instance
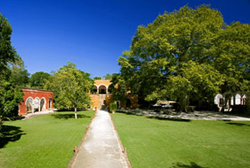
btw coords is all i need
(70, 86)
(7, 52)
(107, 76)
(10, 98)
(38, 79)
(118, 87)
(12, 72)
(187, 54)
(19, 74)
(113, 106)
(97, 78)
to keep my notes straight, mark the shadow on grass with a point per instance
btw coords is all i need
(10, 134)
(192, 165)
(238, 124)
(69, 116)
(156, 117)
(169, 119)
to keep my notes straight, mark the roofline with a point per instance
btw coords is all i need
(35, 89)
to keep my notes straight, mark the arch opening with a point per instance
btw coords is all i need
(102, 89)
(29, 105)
(42, 104)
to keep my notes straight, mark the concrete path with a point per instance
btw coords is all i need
(101, 148)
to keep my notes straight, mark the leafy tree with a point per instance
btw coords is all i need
(7, 52)
(70, 86)
(187, 54)
(38, 79)
(107, 76)
(97, 78)
(192, 80)
(10, 98)
(10, 95)
(19, 73)
(118, 87)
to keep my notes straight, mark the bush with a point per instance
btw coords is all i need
(113, 106)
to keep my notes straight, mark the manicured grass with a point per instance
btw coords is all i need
(157, 143)
(43, 141)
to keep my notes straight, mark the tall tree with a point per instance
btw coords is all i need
(160, 52)
(10, 94)
(38, 79)
(7, 51)
(19, 74)
(71, 87)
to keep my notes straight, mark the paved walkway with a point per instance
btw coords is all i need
(30, 115)
(101, 148)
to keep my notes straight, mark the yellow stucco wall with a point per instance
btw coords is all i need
(94, 100)
(102, 82)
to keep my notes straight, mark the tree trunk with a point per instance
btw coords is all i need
(75, 113)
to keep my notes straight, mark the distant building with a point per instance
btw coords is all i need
(229, 100)
(35, 100)
(101, 96)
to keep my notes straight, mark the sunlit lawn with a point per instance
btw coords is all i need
(43, 141)
(157, 143)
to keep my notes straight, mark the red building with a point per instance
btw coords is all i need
(35, 100)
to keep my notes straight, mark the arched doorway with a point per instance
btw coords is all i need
(237, 99)
(42, 104)
(29, 105)
(36, 104)
(102, 89)
(94, 90)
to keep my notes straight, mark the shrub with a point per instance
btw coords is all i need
(113, 106)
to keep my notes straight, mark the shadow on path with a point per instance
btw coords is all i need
(10, 134)
(69, 116)
(192, 165)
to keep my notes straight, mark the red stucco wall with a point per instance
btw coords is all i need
(34, 93)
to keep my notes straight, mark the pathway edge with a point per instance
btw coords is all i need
(120, 143)
(80, 144)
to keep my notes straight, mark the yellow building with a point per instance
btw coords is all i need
(101, 96)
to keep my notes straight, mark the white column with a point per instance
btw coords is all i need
(32, 108)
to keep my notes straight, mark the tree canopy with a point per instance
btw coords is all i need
(97, 78)
(189, 53)
(10, 93)
(38, 79)
(19, 74)
(7, 51)
(71, 87)
(107, 76)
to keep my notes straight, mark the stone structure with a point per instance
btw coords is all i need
(227, 100)
(35, 100)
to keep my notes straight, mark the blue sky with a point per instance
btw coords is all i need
(92, 34)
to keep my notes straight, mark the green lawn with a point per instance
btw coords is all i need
(43, 141)
(164, 143)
